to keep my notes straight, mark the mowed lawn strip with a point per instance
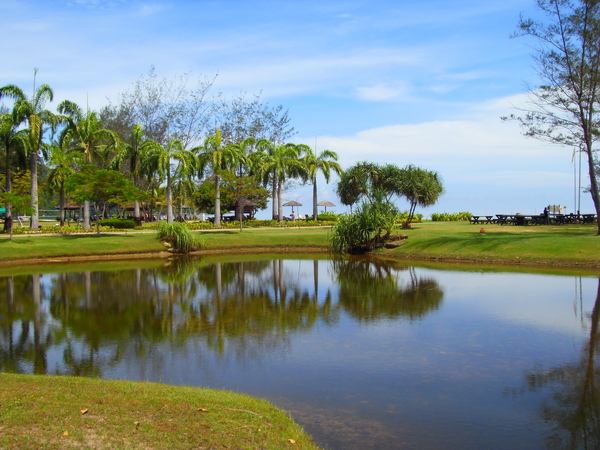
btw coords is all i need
(68, 412)
(539, 244)
(570, 244)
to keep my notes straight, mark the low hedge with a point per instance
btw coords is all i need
(118, 223)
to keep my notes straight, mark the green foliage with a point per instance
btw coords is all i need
(328, 216)
(446, 217)
(404, 215)
(118, 223)
(364, 230)
(179, 237)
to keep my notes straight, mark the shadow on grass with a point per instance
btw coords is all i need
(484, 242)
(72, 237)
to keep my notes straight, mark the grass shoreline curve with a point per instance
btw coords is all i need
(43, 411)
(563, 245)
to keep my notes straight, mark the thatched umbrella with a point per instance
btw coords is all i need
(292, 204)
(325, 203)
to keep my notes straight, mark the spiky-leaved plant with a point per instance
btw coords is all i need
(179, 237)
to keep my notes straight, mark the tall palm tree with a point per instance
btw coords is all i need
(275, 163)
(160, 161)
(37, 118)
(62, 160)
(86, 134)
(217, 157)
(135, 151)
(12, 140)
(324, 162)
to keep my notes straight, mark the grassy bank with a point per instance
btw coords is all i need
(565, 245)
(59, 412)
(568, 245)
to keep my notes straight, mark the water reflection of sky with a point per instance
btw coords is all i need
(427, 358)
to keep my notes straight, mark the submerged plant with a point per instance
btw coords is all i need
(180, 238)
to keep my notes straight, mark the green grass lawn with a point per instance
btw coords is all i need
(448, 241)
(551, 245)
(68, 412)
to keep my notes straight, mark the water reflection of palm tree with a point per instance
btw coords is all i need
(574, 406)
(371, 290)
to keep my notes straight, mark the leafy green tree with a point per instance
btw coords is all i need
(13, 140)
(160, 160)
(101, 186)
(325, 162)
(38, 118)
(274, 164)
(370, 182)
(217, 157)
(135, 150)
(564, 108)
(62, 161)
(84, 133)
(241, 189)
(420, 187)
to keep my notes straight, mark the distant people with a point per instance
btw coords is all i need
(546, 216)
(293, 216)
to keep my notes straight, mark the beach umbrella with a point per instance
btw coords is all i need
(292, 204)
(325, 203)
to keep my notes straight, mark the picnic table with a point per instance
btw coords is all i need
(481, 219)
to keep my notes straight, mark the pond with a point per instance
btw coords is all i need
(362, 353)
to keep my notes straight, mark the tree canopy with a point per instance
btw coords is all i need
(563, 108)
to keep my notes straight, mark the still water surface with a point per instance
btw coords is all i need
(363, 354)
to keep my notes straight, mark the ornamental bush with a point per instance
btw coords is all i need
(118, 223)
(179, 237)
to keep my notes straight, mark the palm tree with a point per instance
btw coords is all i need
(216, 157)
(160, 161)
(37, 117)
(275, 163)
(324, 162)
(85, 133)
(136, 150)
(62, 160)
(12, 140)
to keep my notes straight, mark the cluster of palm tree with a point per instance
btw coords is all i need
(78, 138)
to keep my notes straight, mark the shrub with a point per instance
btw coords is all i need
(445, 217)
(118, 223)
(328, 216)
(179, 236)
(403, 216)
(364, 230)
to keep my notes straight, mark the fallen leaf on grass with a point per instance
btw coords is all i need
(84, 411)
(291, 441)
(65, 433)
(202, 409)
(137, 425)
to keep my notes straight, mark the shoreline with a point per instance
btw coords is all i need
(383, 255)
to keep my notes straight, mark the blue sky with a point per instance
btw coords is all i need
(404, 82)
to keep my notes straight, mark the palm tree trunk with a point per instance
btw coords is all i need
(136, 204)
(217, 200)
(8, 213)
(86, 215)
(280, 202)
(169, 199)
(275, 198)
(315, 212)
(33, 191)
(61, 206)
